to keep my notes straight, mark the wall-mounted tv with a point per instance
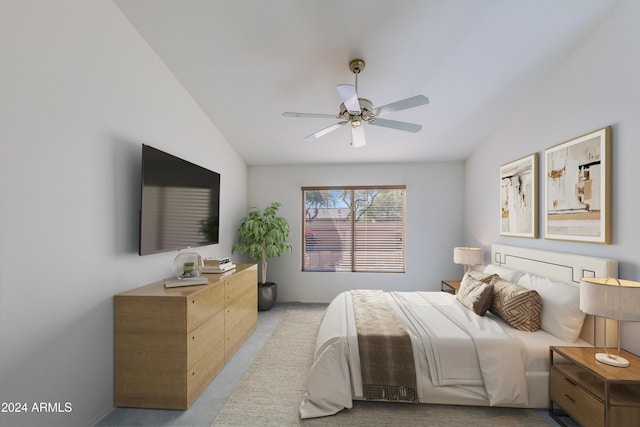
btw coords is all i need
(180, 203)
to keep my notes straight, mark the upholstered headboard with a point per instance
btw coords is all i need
(562, 267)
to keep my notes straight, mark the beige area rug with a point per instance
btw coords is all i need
(271, 391)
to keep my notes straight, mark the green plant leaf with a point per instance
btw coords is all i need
(263, 234)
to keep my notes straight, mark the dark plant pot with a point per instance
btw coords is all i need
(267, 295)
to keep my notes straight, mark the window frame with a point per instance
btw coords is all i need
(354, 240)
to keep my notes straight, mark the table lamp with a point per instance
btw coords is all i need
(615, 299)
(467, 256)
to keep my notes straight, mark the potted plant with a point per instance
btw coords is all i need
(262, 235)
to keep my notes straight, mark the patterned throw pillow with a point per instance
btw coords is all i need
(478, 275)
(475, 295)
(516, 305)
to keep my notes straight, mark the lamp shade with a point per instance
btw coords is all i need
(612, 298)
(467, 256)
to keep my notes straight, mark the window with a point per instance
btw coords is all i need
(359, 229)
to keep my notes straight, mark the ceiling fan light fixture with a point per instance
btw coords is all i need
(367, 114)
(356, 110)
(357, 136)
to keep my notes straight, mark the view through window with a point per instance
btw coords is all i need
(358, 229)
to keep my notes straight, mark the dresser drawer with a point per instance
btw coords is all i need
(204, 338)
(237, 334)
(199, 377)
(201, 306)
(240, 308)
(247, 281)
(576, 401)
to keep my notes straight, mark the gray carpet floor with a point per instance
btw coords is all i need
(208, 405)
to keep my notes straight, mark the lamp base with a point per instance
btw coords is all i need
(612, 359)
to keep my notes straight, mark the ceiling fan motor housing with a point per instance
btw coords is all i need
(366, 111)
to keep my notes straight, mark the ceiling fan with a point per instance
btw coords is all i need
(357, 111)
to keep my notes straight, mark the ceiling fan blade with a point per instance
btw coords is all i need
(401, 105)
(323, 132)
(357, 136)
(394, 124)
(349, 97)
(324, 116)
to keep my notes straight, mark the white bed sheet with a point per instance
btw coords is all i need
(334, 378)
(537, 346)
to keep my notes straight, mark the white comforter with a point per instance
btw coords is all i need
(453, 347)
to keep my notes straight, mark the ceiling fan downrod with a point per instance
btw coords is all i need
(356, 66)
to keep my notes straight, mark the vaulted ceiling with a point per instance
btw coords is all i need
(245, 62)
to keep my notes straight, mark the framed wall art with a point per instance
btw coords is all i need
(518, 197)
(578, 189)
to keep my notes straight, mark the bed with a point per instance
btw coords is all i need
(459, 357)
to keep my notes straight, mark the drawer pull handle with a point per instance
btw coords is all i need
(569, 397)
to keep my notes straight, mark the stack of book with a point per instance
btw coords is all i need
(217, 265)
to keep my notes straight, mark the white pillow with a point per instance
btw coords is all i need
(505, 273)
(561, 315)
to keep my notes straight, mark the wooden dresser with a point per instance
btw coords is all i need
(171, 342)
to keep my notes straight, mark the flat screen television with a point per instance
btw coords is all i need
(180, 205)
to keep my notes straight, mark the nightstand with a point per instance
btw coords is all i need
(450, 286)
(591, 392)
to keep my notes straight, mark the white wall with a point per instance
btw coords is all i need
(434, 214)
(80, 91)
(597, 85)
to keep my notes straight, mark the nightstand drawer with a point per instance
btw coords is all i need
(577, 402)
